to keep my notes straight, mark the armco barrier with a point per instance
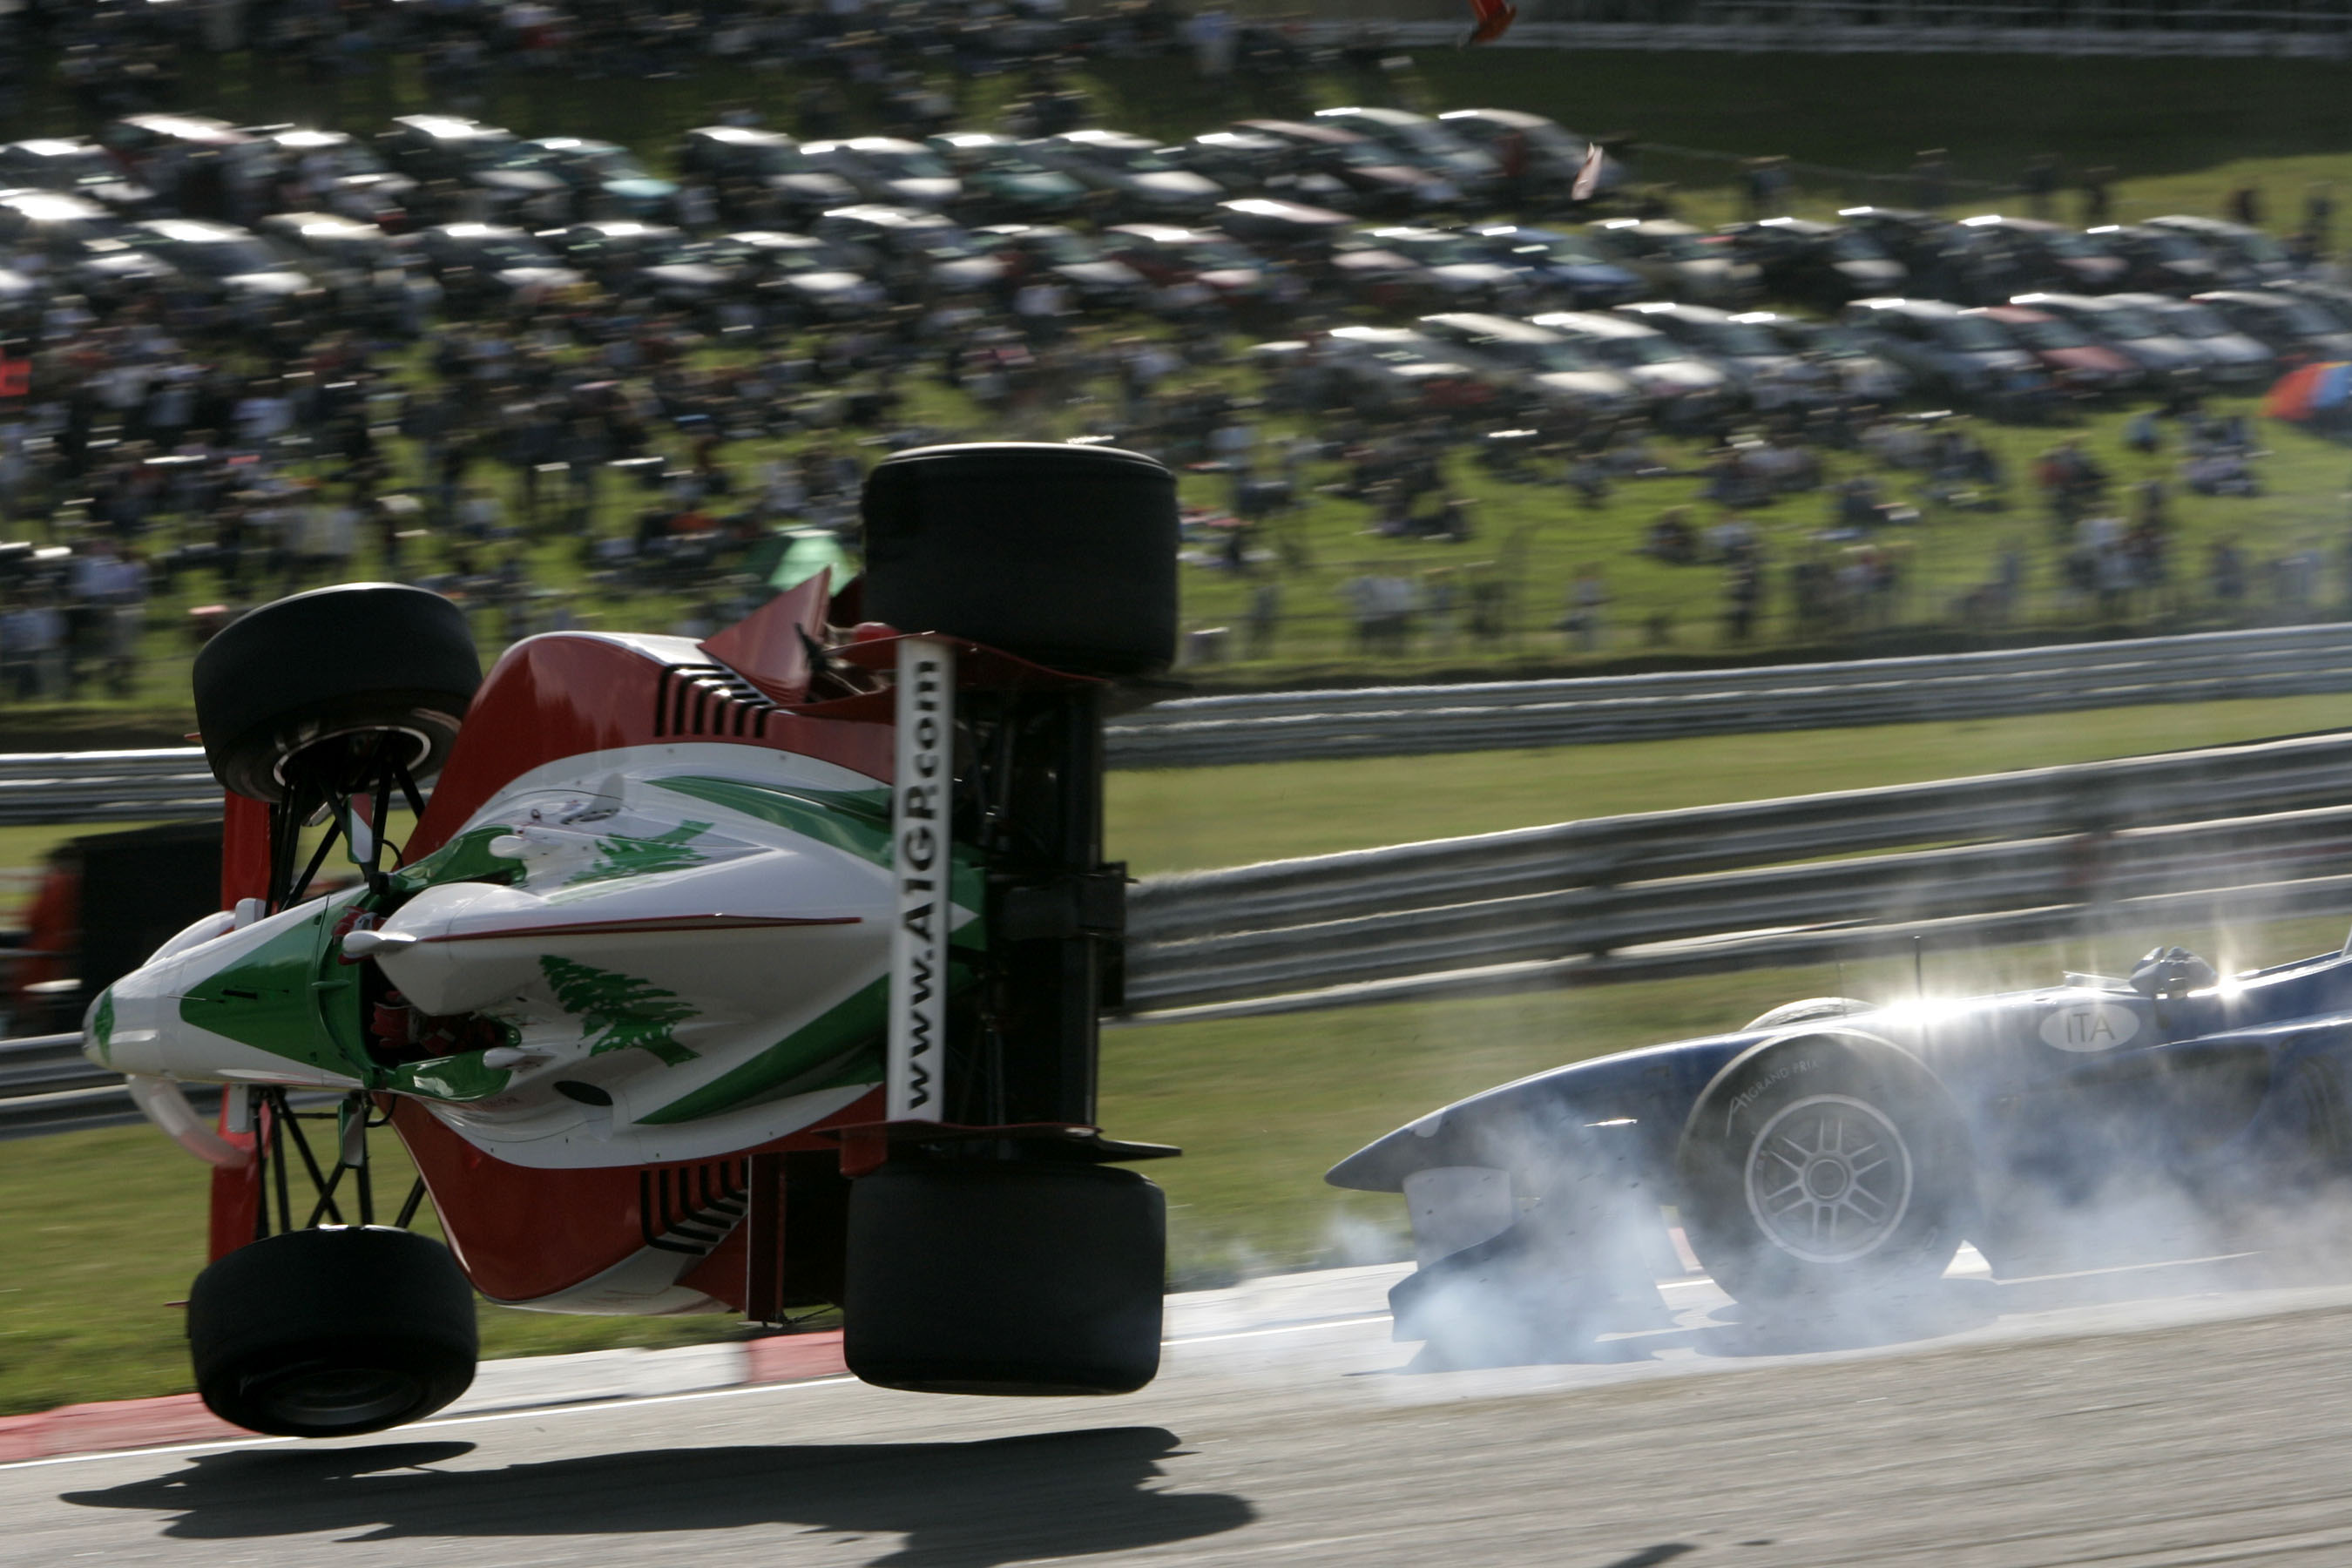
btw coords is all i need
(2254, 827)
(2238, 832)
(1289, 726)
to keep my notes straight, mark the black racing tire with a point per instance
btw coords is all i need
(1824, 1168)
(331, 1332)
(346, 664)
(1005, 1278)
(1064, 555)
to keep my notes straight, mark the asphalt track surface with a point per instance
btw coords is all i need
(2191, 1414)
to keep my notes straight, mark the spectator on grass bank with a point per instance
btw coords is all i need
(1383, 605)
(2319, 215)
(1588, 601)
(2041, 181)
(1743, 596)
(2098, 200)
(2225, 576)
(2246, 205)
(1931, 180)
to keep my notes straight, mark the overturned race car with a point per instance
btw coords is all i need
(761, 973)
(1828, 1160)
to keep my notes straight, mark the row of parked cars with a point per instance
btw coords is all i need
(1685, 363)
(1615, 312)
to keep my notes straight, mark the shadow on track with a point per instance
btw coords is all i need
(957, 1505)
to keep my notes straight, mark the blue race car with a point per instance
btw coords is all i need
(1833, 1150)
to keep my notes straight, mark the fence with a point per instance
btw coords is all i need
(2144, 30)
(1397, 721)
(174, 783)
(2238, 832)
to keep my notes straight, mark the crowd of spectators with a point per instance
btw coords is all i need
(169, 448)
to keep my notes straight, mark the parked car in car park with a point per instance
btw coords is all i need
(2245, 256)
(2294, 329)
(486, 161)
(905, 250)
(1454, 267)
(1847, 357)
(1535, 360)
(487, 265)
(797, 278)
(1555, 157)
(1337, 167)
(1560, 266)
(81, 242)
(1041, 251)
(223, 262)
(1395, 368)
(1824, 264)
(2019, 255)
(2159, 260)
(1427, 143)
(639, 260)
(606, 179)
(1679, 262)
(367, 274)
(890, 169)
(1002, 183)
(340, 172)
(71, 166)
(1757, 362)
(2075, 362)
(1947, 350)
(1916, 239)
(2231, 358)
(1169, 257)
(1129, 173)
(2167, 358)
(2332, 297)
(754, 171)
(1673, 382)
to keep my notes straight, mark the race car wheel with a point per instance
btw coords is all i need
(1820, 1168)
(1064, 555)
(1003, 1278)
(331, 1332)
(341, 669)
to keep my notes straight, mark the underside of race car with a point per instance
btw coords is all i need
(759, 973)
(1829, 1159)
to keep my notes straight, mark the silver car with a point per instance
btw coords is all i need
(1670, 379)
(1535, 360)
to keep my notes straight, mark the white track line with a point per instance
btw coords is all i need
(591, 1407)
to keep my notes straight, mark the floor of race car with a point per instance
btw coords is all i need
(2191, 1412)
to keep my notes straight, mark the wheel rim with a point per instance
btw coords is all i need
(1829, 1179)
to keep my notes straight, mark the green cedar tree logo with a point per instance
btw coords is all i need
(618, 1012)
(620, 856)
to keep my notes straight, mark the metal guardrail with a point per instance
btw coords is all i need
(2248, 832)
(2248, 828)
(2133, 30)
(47, 1085)
(164, 784)
(174, 783)
(1261, 726)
